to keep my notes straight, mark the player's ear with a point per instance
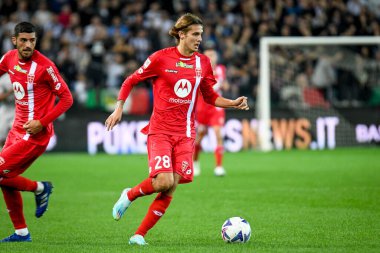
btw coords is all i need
(181, 35)
(14, 39)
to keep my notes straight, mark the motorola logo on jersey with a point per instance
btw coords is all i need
(18, 90)
(182, 88)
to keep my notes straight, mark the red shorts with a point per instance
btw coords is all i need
(17, 155)
(209, 115)
(168, 153)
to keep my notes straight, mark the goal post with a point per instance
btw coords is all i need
(263, 102)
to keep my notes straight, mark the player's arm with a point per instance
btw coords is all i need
(61, 90)
(3, 70)
(239, 103)
(148, 70)
(3, 65)
(5, 94)
(213, 98)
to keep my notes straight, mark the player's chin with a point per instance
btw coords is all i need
(27, 54)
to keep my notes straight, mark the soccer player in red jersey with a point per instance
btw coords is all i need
(210, 116)
(179, 73)
(36, 84)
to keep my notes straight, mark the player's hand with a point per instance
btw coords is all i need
(33, 126)
(114, 119)
(241, 103)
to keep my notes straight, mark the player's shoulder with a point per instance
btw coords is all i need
(164, 52)
(159, 55)
(205, 61)
(42, 60)
(9, 54)
(202, 56)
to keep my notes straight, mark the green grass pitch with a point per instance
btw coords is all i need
(295, 201)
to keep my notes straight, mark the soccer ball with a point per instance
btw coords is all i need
(236, 230)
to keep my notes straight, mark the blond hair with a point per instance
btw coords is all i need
(183, 24)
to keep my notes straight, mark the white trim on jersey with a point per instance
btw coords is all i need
(193, 96)
(32, 70)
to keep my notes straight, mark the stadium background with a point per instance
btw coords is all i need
(95, 44)
(295, 200)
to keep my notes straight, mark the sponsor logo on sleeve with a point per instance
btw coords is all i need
(146, 63)
(50, 70)
(58, 86)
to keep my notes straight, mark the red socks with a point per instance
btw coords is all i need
(155, 212)
(13, 201)
(142, 189)
(219, 155)
(197, 150)
(19, 183)
(11, 188)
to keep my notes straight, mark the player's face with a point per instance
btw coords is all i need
(25, 44)
(192, 39)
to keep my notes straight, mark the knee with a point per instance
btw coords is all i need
(163, 182)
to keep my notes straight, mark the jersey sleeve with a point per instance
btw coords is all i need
(61, 90)
(3, 64)
(147, 71)
(207, 83)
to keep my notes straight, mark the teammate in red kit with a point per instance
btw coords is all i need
(36, 84)
(211, 116)
(179, 74)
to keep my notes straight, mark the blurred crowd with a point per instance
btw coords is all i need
(97, 43)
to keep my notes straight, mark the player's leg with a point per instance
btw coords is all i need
(219, 151)
(156, 210)
(201, 132)
(13, 201)
(160, 175)
(148, 186)
(183, 173)
(15, 158)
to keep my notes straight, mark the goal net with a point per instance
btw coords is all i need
(309, 80)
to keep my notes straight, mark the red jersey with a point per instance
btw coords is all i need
(204, 111)
(36, 83)
(176, 82)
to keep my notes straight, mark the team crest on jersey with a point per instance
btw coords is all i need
(198, 72)
(181, 64)
(19, 69)
(18, 90)
(31, 78)
(182, 88)
(185, 165)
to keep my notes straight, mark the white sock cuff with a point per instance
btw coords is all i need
(40, 188)
(22, 231)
